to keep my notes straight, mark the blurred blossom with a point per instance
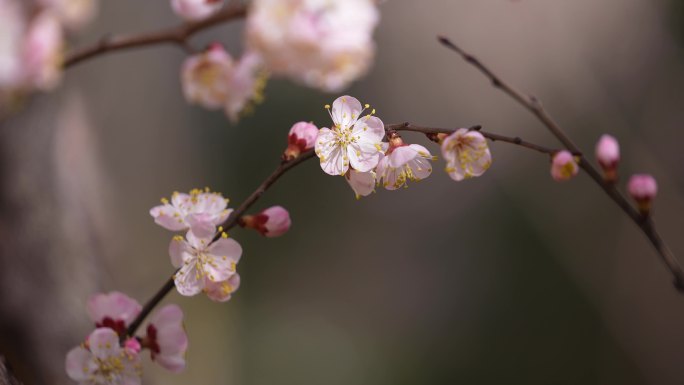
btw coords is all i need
(166, 338)
(194, 10)
(466, 153)
(113, 310)
(353, 140)
(322, 43)
(563, 166)
(246, 86)
(608, 156)
(11, 33)
(42, 52)
(403, 163)
(272, 222)
(103, 361)
(199, 210)
(302, 137)
(643, 189)
(200, 260)
(363, 183)
(73, 14)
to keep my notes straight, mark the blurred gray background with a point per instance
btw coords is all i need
(508, 278)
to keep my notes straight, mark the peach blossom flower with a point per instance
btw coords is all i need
(466, 153)
(563, 166)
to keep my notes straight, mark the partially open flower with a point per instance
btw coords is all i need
(466, 153)
(166, 338)
(200, 210)
(643, 189)
(608, 156)
(272, 222)
(403, 163)
(113, 310)
(563, 166)
(104, 361)
(194, 10)
(302, 137)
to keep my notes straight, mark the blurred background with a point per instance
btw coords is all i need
(507, 278)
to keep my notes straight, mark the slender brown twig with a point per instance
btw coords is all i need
(533, 105)
(178, 35)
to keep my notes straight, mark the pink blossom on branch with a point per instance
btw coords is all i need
(563, 166)
(608, 156)
(199, 210)
(272, 222)
(166, 338)
(363, 183)
(302, 137)
(643, 188)
(113, 310)
(72, 14)
(222, 291)
(466, 153)
(323, 44)
(355, 140)
(103, 361)
(194, 10)
(42, 52)
(403, 163)
(200, 261)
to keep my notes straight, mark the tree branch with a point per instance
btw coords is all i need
(533, 105)
(176, 35)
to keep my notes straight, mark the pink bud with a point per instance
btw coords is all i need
(302, 137)
(563, 166)
(643, 189)
(272, 222)
(132, 345)
(608, 156)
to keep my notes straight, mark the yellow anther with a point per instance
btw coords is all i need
(327, 106)
(177, 238)
(165, 201)
(224, 235)
(366, 105)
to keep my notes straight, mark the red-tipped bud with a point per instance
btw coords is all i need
(302, 137)
(608, 156)
(643, 189)
(272, 222)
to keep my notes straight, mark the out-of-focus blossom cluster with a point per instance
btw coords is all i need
(32, 41)
(111, 356)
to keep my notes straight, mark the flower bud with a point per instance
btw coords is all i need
(132, 345)
(302, 137)
(608, 156)
(272, 222)
(563, 166)
(643, 189)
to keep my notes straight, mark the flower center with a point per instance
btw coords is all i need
(109, 368)
(344, 137)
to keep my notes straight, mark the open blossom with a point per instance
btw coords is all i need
(222, 291)
(321, 43)
(272, 222)
(363, 183)
(563, 166)
(608, 156)
(193, 10)
(302, 137)
(200, 261)
(73, 14)
(11, 34)
(466, 153)
(103, 361)
(403, 163)
(166, 338)
(42, 52)
(354, 140)
(113, 310)
(199, 210)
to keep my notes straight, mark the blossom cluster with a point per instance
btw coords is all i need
(110, 355)
(32, 34)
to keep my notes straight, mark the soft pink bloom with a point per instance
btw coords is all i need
(363, 183)
(73, 14)
(643, 189)
(302, 137)
(222, 291)
(272, 222)
(193, 10)
(12, 26)
(200, 260)
(104, 362)
(42, 52)
(166, 338)
(466, 153)
(323, 44)
(355, 140)
(563, 166)
(132, 345)
(608, 156)
(404, 163)
(206, 77)
(199, 210)
(113, 310)
(246, 85)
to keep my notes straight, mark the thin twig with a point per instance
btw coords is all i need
(533, 105)
(176, 35)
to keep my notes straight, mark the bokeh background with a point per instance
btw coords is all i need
(508, 278)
